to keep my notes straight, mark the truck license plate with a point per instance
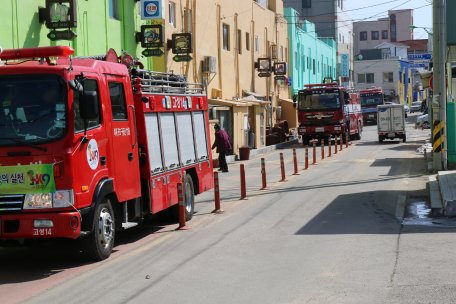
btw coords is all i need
(391, 134)
(321, 129)
(371, 116)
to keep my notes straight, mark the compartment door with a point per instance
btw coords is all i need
(200, 134)
(186, 139)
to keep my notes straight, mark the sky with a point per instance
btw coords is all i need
(422, 17)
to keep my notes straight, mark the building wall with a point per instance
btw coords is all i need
(96, 31)
(401, 90)
(305, 46)
(395, 49)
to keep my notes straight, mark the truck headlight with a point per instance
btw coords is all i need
(59, 199)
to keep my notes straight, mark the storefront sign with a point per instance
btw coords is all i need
(58, 14)
(152, 9)
(280, 68)
(151, 36)
(27, 179)
(153, 53)
(280, 78)
(182, 43)
(345, 65)
(264, 65)
(264, 75)
(62, 35)
(180, 58)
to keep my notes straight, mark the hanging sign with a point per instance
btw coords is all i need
(280, 68)
(280, 78)
(151, 36)
(153, 53)
(181, 43)
(152, 9)
(264, 65)
(58, 14)
(345, 65)
(62, 35)
(180, 58)
(264, 74)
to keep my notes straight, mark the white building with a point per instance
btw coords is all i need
(395, 49)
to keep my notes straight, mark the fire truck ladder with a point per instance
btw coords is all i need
(166, 83)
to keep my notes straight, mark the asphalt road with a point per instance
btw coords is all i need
(328, 235)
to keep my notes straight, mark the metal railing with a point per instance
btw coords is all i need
(167, 83)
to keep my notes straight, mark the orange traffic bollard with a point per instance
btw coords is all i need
(263, 175)
(329, 146)
(314, 152)
(282, 167)
(217, 194)
(243, 188)
(307, 158)
(322, 149)
(295, 160)
(336, 143)
(180, 199)
(416, 124)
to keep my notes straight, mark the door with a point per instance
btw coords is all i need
(246, 131)
(123, 158)
(383, 119)
(397, 122)
(262, 129)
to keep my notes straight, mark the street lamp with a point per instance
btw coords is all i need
(414, 27)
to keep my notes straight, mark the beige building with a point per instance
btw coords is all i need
(235, 33)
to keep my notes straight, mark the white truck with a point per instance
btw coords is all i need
(391, 122)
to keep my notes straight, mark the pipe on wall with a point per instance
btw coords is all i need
(219, 20)
(238, 85)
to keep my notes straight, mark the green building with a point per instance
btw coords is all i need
(101, 24)
(311, 58)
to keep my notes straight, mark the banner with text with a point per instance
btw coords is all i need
(26, 179)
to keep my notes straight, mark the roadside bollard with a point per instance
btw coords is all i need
(314, 152)
(416, 124)
(346, 141)
(217, 194)
(180, 199)
(282, 167)
(341, 142)
(263, 175)
(336, 143)
(307, 158)
(295, 160)
(329, 146)
(322, 149)
(243, 189)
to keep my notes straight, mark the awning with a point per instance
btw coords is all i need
(254, 99)
(258, 96)
(228, 103)
(286, 99)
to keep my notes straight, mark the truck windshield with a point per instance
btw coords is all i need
(371, 100)
(319, 101)
(32, 109)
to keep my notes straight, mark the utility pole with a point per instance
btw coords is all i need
(440, 98)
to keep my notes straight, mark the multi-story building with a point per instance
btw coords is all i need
(394, 28)
(331, 21)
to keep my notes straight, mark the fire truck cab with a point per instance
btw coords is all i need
(370, 99)
(89, 147)
(328, 110)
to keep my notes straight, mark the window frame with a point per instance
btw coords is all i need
(124, 101)
(363, 74)
(247, 41)
(313, 66)
(256, 42)
(373, 78)
(239, 41)
(306, 3)
(383, 36)
(296, 60)
(281, 53)
(113, 7)
(372, 35)
(361, 36)
(100, 115)
(226, 39)
(390, 79)
(172, 14)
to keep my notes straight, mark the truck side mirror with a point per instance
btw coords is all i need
(294, 101)
(75, 86)
(89, 105)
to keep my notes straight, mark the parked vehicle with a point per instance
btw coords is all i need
(90, 147)
(391, 122)
(424, 120)
(370, 99)
(415, 107)
(326, 110)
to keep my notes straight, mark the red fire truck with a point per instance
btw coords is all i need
(326, 110)
(91, 145)
(370, 99)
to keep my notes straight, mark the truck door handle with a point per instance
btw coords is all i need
(103, 160)
(130, 156)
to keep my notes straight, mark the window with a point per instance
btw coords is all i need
(89, 85)
(306, 3)
(388, 77)
(375, 35)
(400, 77)
(247, 41)
(118, 104)
(370, 78)
(286, 55)
(342, 4)
(318, 65)
(343, 39)
(256, 44)
(384, 34)
(303, 63)
(239, 41)
(361, 78)
(226, 37)
(313, 67)
(393, 28)
(281, 53)
(114, 9)
(296, 61)
(188, 19)
(171, 14)
(363, 36)
(340, 37)
(338, 3)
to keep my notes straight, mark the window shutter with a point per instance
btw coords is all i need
(170, 151)
(153, 143)
(186, 140)
(200, 132)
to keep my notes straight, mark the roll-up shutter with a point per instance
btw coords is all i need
(154, 144)
(200, 133)
(168, 128)
(186, 141)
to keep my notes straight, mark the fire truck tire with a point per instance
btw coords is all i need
(358, 135)
(98, 245)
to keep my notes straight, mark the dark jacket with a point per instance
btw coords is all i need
(222, 141)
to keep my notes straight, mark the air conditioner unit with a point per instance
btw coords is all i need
(210, 64)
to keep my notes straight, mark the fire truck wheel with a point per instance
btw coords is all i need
(189, 200)
(98, 245)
